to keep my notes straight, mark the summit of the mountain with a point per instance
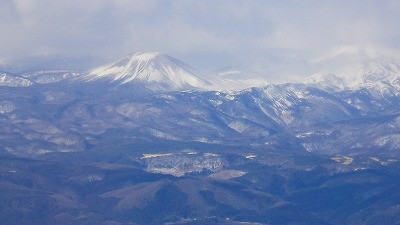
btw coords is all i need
(376, 71)
(154, 70)
(378, 76)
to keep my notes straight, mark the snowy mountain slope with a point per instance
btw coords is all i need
(258, 116)
(11, 80)
(359, 135)
(374, 88)
(296, 105)
(326, 81)
(227, 84)
(286, 117)
(379, 77)
(155, 70)
(376, 71)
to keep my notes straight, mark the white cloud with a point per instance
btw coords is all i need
(206, 33)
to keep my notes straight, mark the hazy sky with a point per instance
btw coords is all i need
(205, 33)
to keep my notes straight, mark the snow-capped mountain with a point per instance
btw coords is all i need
(12, 80)
(376, 76)
(154, 70)
(379, 75)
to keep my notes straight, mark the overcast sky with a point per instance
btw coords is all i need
(207, 34)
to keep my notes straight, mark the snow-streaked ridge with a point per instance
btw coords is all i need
(11, 80)
(326, 81)
(50, 76)
(374, 72)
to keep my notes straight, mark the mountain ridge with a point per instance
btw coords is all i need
(13, 80)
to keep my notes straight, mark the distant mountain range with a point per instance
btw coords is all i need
(155, 95)
(150, 140)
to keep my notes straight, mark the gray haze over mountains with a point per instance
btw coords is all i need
(210, 35)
